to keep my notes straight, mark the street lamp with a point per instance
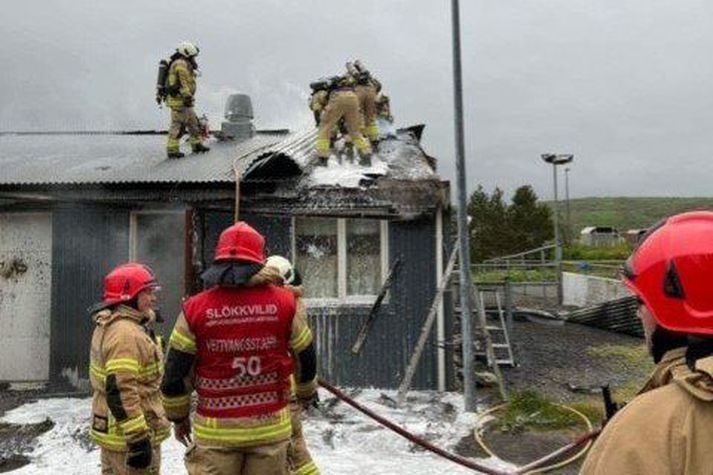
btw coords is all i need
(568, 237)
(463, 234)
(556, 159)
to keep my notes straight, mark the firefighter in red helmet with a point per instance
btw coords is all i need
(128, 419)
(234, 345)
(668, 427)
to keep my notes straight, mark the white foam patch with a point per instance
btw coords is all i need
(345, 442)
(346, 174)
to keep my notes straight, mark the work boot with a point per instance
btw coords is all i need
(200, 148)
(365, 160)
(173, 155)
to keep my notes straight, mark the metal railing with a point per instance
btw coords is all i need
(539, 254)
(610, 268)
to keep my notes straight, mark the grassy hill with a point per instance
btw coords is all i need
(628, 213)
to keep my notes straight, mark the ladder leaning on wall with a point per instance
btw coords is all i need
(450, 276)
(498, 331)
(491, 340)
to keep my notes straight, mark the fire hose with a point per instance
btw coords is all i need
(539, 464)
(408, 435)
(531, 467)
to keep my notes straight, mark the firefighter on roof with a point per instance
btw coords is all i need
(128, 419)
(342, 102)
(383, 108)
(668, 427)
(179, 93)
(234, 343)
(366, 89)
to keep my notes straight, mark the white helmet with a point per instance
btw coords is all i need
(187, 49)
(283, 266)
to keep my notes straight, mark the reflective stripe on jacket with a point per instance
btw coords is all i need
(125, 373)
(241, 340)
(302, 389)
(181, 77)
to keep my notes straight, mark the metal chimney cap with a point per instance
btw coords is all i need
(239, 106)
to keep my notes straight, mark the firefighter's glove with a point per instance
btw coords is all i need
(188, 101)
(139, 455)
(182, 431)
(310, 401)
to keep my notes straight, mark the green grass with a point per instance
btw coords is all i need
(610, 271)
(626, 213)
(516, 275)
(581, 252)
(529, 410)
(630, 359)
(592, 410)
(622, 353)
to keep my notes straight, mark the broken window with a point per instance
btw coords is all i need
(363, 256)
(341, 259)
(316, 249)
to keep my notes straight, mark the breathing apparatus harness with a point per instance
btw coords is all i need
(163, 88)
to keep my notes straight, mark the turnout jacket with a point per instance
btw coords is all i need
(666, 429)
(304, 368)
(181, 83)
(125, 373)
(234, 347)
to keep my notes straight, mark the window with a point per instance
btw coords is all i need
(316, 252)
(363, 257)
(158, 240)
(341, 259)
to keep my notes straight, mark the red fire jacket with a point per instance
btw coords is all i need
(243, 363)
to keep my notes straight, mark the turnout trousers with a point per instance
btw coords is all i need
(259, 460)
(183, 120)
(367, 103)
(299, 459)
(114, 463)
(341, 104)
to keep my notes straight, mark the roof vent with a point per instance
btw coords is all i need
(238, 124)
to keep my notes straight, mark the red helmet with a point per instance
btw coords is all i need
(126, 281)
(671, 271)
(240, 242)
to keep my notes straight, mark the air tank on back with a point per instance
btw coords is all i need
(238, 124)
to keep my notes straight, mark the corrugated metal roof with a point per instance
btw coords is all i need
(98, 159)
(90, 159)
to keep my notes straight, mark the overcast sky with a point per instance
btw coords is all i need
(625, 85)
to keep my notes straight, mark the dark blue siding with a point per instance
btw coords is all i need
(392, 338)
(86, 245)
(277, 232)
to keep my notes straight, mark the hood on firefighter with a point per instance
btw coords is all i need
(230, 273)
(105, 316)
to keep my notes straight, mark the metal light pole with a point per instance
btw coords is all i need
(463, 234)
(556, 160)
(569, 215)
